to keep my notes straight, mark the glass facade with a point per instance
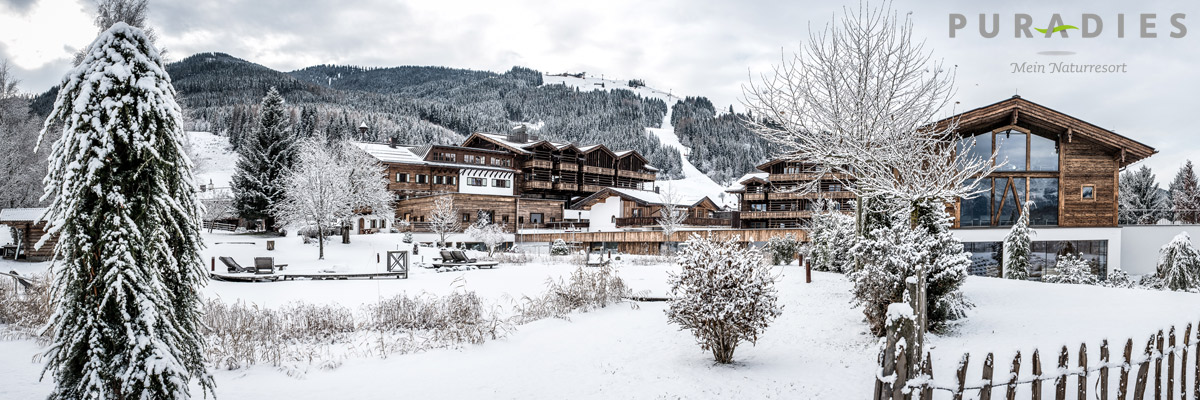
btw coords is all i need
(1008, 196)
(986, 257)
(1043, 154)
(1010, 150)
(1043, 192)
(1021, 158)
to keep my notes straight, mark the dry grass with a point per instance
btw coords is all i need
(587, 288)
(24, 311)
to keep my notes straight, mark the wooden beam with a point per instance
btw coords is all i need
(1014, 116)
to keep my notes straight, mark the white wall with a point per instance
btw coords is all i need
(576, 214)
(1112, 235)
(1141, 244)
(465, 173)
(602, 215)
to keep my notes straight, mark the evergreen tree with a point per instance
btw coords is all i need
(1179, 263)
(127, 263)
(1074, 270)
(1140, 200)
(830, 239)
(264, 159)
(1017, 247)
(1185, 195)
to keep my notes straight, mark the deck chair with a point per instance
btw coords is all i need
(232, 266)
(596, 261)
(264, 265)
(461, 257)
(448, 257)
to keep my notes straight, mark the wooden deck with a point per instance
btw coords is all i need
(287, 276)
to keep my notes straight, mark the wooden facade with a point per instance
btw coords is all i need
(785, 193)
(649, 242)
(512, 211)
(563, 170)
(640, 208)
(28, 233)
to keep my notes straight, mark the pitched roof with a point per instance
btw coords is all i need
(385, 153)
(21, 214)
(643, 197)
(1021, 112)
(740, 184)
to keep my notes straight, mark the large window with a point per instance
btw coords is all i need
(985, 258)
(1043, 154)
(1020, 158)
(977, 211)
(1044, 256)
(1010, 150)
(1015, 150)
(1043, 192)
(1007, 199)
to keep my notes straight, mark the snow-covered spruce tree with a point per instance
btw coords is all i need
(830, 239)
(892, 252)
(1179, 264)
(1017, 245)
(491, 235)
(264, 158)
(1185, 195)
(783, 249)
(1074, 270)
(127, 267)
(559, 248)
(723, 294)
(1140, 200)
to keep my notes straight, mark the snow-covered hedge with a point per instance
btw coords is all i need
(783, 249)
(723, 295)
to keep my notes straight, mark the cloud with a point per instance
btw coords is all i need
(18, 6)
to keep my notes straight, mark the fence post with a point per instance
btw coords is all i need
(1060, 383)
(879, 380)
(1187, 337)
(985, 392)
(962, 375)
(914, 299)
(807, 272)
(1123, 386)
(927, 370)
(902, 325)
(1011, 393)
(1037, 376)
(1104, 370)
(1158, 366)
(1171, 364)
(901, 371)
(1139, 389)
(212, 264)
(1083, 375)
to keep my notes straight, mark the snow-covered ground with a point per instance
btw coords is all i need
(818, 348)
(694, 183)
(214, 160)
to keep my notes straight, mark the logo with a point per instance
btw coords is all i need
(1057, 28)
(1146, 26)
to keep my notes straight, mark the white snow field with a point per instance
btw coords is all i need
(818, 348)
(694, 183)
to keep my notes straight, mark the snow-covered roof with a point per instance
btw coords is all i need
(739, 183)
(21, 214)
(385, 153)
(646, 196)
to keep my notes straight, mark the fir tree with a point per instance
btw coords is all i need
(265, 157)
(1072, 269)
(1141, 201)
(1179, 263)
(127, 263)
(1185, 195)
(1017, 247)
(830, 239)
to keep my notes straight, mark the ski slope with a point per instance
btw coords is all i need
(694, 183)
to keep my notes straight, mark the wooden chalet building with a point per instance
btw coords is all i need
(552, 170)
(614, 209)
(27, 231)
(771, 198)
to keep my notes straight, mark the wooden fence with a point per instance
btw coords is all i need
(220, 226)
(1126, 377)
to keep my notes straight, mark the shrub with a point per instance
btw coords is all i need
(1179, 264)
(892, 252)
(1119, 279)
(1017, 247)
(723, 295)
(783, 249)
(830, 240)
(559, 248)
(408, 238)
(1073, 270)
(586, 289)
(310, 231)
(24, 311)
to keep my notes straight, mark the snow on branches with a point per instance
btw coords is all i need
(1179, 264)
(127, 267)
(1017, 246)
(443, 220)
(491, 235)
(722, 294)
(1074, 270)
(830, 239)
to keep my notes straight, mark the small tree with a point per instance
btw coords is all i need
(672, 214)
(783, 249)
(365, 181)
(1185, 195)
(315, 194)
(1017, 246)
(490, 234)
(1073, 270)
(1179, 263)
(1119, 279)
(559, 248)
(723, 295)
(830, 238)
(443, 220)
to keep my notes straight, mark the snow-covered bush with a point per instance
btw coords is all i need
(559, 248)
(408, 238)
(783, 249)
(723, 295)
(892, 252)
(1118, 278)
(1073, 270)
(1017, 246)
(1179, 264)
(491, 235)
(830, 240)
(310, 231)
(456, 268)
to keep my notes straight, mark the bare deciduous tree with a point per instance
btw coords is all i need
(859, 101)
(443, 220)
(672, 214)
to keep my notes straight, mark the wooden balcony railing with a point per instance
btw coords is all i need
(779, 178)
(566, 166)
(537, 185)
(590, 188)
(538, 164)
(653, 221)
(597, 170)
(754, 196)
(635, 175)
(566, 186)
(775, 214)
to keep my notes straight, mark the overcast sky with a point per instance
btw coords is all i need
(704, 47)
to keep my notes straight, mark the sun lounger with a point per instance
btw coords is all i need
(461, 257)
(458, 258)
(232, 266)
(596, 260)
(266, 265)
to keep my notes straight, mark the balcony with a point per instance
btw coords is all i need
(635, 175)
(775, 214)
(691, 221)
(536, 185)
(539, 164)
(754, 196)
(566, 186)
(567, 166)
(588, 169)
(811, 195)
(591, 188)
(812, 176)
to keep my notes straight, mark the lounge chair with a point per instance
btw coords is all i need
(460, 256)
(232, 266)
(457, 258)
(448, 257)
(596, 261)
(266, 265)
